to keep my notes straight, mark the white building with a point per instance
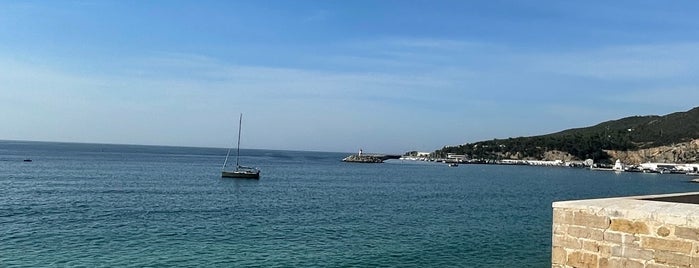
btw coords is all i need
(618, 166)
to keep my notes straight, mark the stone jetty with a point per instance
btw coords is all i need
(368, 158)
(364, 159)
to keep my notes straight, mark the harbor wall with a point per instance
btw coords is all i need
(657, 231)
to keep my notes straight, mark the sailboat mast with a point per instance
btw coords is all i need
(240, 124)
(229, 148)
(226, 161)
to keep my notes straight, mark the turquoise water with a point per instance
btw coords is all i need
(116, 205)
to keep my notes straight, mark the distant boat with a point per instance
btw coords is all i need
(240, 171)
(453, 165)
(27, 160)
(618, 166)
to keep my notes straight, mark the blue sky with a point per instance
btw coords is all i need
(385, 76)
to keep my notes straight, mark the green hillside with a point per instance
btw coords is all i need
(630, 133)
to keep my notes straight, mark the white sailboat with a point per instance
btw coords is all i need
(240, 171)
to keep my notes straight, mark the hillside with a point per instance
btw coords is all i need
(636, 133)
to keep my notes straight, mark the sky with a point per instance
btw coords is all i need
(385, 76)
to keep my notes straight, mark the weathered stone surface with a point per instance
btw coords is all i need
(585, 232)
(672, 259)
(562, 216)
(627, 226)
(581, 218)
(666, 244)
(625, 232)
(558, 255)
(605, 250)
(687, 233)
(619, 262)
(663, 231)
(560, 228)
(619, 238)
(566, 242)
(632, 252)
(590, 245)
(631, 264)
(580, 259)
(657, 265)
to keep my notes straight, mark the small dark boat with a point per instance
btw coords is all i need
(27, 160)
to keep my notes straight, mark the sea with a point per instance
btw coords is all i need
(98, 205)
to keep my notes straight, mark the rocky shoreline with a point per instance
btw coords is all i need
(685, 152)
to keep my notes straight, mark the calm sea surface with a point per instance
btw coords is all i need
(117, 205)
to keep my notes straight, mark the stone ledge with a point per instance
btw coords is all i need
(641, 208)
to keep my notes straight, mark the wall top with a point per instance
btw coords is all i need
(680, 209)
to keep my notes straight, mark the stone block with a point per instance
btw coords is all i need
(632, 252)
(560, 228)
(672, 259)
(632, 264)
(565, 241)
(663, 231)
(666, 244)
(580, 259)
(687, 233)
(562, 216)
(629, 227)
(590, 245)
(619, 238)
(657, 265)
(582, 218)
(585, 232)
(605, 250)
(558, 255)
(619, 262)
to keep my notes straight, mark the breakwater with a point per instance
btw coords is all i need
(369, 158)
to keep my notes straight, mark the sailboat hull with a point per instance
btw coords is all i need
(240, 174)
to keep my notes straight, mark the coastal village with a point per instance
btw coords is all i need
(648, 167)
(627, 161)
(648, 144)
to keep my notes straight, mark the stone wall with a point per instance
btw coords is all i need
(625, 232)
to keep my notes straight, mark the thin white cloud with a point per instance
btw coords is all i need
(433, 44)
(171, 100)
(642, 62)
(177, 98)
